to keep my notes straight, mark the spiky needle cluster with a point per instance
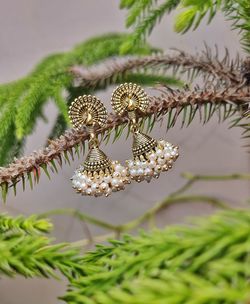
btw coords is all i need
(145, 14)
(22, 101)
(171, 102)
(205, 64)
(26, 251)
(205, 263)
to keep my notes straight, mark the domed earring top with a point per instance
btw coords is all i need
(150, 157)
(98, 175)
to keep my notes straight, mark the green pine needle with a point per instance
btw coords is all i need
(22, 101)
(31, 225)
(204, 263)
(194, 11)
(143, 16)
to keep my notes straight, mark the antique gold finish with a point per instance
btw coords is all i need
(129, 97)
(87, 110)
(98, 175)
(150, 157)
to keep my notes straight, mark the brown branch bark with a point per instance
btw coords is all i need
(225, 69)
(159, 105)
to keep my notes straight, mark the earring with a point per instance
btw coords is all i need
(98, 175)
(150, 157)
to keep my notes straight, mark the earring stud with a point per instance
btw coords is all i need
(150, 157)
(98, 175)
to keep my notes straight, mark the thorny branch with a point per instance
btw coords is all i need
(207, 63)
(166, 102)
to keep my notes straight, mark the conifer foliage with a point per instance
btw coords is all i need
(206, 262)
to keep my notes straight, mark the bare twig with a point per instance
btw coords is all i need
(159, 206)
(174, 198)
(193, 178)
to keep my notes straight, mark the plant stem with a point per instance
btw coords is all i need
(170, 99)
(232, 176)
(173, 198)
(80, 216)
(192, 178)
(168, 201)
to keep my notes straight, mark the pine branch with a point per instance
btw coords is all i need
(22, 101)
(30, 225)
(24, 250)
(239, 13)
(143, 17)
(236, 11)
(137, 10)
(203, 263)
(173, 103)
(225, 70)
(34, 256)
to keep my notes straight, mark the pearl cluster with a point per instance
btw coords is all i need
(100, 183)
(154, 162)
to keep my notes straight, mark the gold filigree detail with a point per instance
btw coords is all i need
(129, 97)
(87, 110)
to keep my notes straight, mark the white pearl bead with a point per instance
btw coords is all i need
(152, 164)
(140, 171)
(74, 183)
(167, 155)
(130, 163)
(104, 186)
(118, 168)
(117, 174)
(114, 182)
(133, 172)
(82, 178)
(161, 161)
(144, 164)
(152, 156)
(148, 171)
(84, 186)
(173, 153)
(120, 182)
(138, 163)
(94, 186)
(78, 184)
(89, 191)
(108, 192)
(159, 152)
(124, 172)
(107, 179)
(88, 181)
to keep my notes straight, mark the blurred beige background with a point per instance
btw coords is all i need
(32, 29)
